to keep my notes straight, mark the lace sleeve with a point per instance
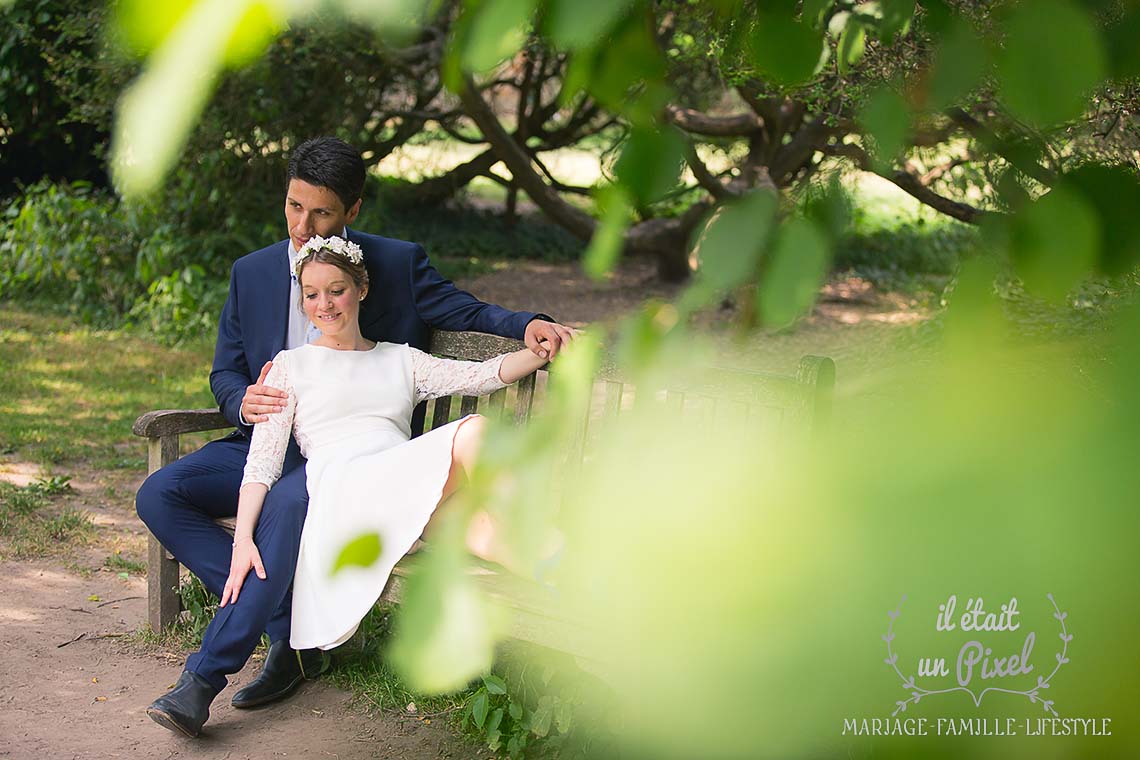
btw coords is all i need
(435, 377)
(270, 438)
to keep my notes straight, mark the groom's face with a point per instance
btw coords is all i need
(315, 210)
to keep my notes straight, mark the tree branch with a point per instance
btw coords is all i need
(437, 189)
(993, 143)
(912, 185)
(518, 163)
(704, 177)
(691, 120)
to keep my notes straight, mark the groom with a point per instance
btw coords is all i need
(262, 315)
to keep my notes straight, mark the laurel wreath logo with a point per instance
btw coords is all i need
(1034, 695)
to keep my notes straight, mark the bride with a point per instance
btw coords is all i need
(349, 406)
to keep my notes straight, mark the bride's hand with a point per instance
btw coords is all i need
(245, 557)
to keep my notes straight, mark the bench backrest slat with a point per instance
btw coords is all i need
(775, 402)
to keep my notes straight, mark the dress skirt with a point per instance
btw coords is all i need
(391, 492)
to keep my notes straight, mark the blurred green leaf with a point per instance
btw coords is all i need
(1054, 243)
(573, 24)
(852, 45)
(642, 337)
(564, 716)
(627, 71)
(158, 110)
(792, 273)
(260, 24)
(813, 10)
(446, 631)
(1052, 58)
(1114, 192)
(897, 16)
(959, 65)
(1121, 36)
(886, 117)
(362, 551)
(144, 25)
(650, 163)
(605, 247)
(787, 51)
(498, 29)
(731, 243)
(543, 716)
(937, 16)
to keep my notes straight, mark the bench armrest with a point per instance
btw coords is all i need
(166, 422)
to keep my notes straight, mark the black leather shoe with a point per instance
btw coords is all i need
(186, 707)
(282, 673)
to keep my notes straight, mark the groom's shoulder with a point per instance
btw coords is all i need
(387, 249)
(264, 257)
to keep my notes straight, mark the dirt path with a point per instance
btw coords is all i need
(73, 687)
(75, 682)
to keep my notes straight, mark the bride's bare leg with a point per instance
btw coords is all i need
(464, 454)
(482, 535)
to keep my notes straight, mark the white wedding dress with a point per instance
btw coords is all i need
(351, 413)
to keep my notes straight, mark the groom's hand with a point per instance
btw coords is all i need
(553, 334)
(261, 400)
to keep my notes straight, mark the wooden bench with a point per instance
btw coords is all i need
(803, 401)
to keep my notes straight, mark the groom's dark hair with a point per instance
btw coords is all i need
(329, 162)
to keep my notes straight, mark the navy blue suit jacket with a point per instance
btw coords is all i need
(407, 297)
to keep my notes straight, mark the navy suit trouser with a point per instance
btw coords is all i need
(179, 504)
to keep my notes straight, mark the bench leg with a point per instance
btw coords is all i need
(162, 586)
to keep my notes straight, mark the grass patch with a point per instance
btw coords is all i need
(72, 392)
(118, 562)
(29, 529)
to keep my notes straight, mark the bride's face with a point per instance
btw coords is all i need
(330, 298)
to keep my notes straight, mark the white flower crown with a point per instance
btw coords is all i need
(350, 251)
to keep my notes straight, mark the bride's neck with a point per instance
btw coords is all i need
(345, 341)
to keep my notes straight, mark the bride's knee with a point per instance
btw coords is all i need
(468, 438)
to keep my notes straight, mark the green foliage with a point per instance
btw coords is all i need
(199, 607)
(918, 247)
(1052, 59)
(504, 724)
(788, 51)
(67, 240)
(39, 133)
(793, 273)
(181, 306)
(162, 262)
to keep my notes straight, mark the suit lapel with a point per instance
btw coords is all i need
(279, 284)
